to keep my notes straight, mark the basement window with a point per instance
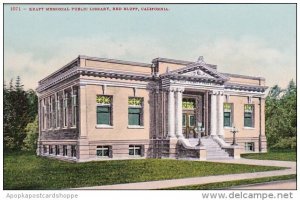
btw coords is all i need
(135, 150)
(249, 146)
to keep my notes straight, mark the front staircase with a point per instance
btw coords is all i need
(213, 149)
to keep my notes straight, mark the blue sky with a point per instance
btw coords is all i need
(251, 39)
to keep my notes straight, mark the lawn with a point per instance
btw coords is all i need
(286, 156)
(229, 184)
(27, 171)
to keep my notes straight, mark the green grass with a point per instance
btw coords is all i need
(27, 171)
(285, 156)
(228, 184)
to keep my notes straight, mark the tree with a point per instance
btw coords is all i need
(32, 131)
(281, 116)
(20, 108)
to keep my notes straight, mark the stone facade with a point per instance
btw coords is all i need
(174, 103)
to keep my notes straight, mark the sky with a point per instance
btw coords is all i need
(253, 39)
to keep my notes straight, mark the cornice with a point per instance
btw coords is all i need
(116, 61)
(192, 78)
(73, 63)
(174, 61)
(245, 87)
(244, 76)
(93, 72)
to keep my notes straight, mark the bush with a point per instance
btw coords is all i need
(289, 143)
(32, 131)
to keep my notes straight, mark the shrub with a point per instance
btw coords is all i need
(289, 143)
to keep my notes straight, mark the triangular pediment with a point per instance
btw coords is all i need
(197, 73)
(199, 70)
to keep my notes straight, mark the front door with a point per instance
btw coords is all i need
(189, 124)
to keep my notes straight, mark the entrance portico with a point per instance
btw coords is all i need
(187, 122)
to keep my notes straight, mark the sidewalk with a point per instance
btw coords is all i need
(208, 179)
(276, 185)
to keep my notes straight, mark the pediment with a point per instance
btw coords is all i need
(199, 70)
(197, 73)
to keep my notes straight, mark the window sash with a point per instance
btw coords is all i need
(65, 150)
(227, 119)
(74, 110)
(57, 150)
(134, 116)
(135, 150)
(183, 120)
(73, 151)
(191, 120)
(57, 113)
(249, 146)
(50, 149)
(104, 115)
(102, 151)
(248, 119)
(45, 149)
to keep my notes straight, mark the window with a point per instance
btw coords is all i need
(192, 120)
(104, 104)
(74, 108)
(248, 115)
(44, 115)
(57, 111)
(102, 151)
(249, 146)
(44, 149)
(228, 114)
(183, 120)
(135, 150)
(65, 109)
(56, 150)
(65, 150)
(135, 107)
(73, 151)
(50, 112)
(50, 149)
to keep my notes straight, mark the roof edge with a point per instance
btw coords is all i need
(174, 61)
(116, 61)
(244, 76)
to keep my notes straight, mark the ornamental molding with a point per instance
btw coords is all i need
(231, 92)
(245, 87)
(216, 92)
(114, 83)
(186, 82)
(198, 69)
(91, 72)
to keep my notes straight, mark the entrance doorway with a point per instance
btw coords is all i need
(189, 117)
(189, 124)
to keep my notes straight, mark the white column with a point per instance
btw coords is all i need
(213, 114)
(220, 115)
(171, 114)
(178, 114)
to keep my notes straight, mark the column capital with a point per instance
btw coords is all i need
(179, 89)
(171, 89)
(216, 92)
(213, 92)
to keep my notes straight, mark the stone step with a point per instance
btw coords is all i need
(215, 157)
(219, 158)
(213, 149)
(217, 153)
(212, 155)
